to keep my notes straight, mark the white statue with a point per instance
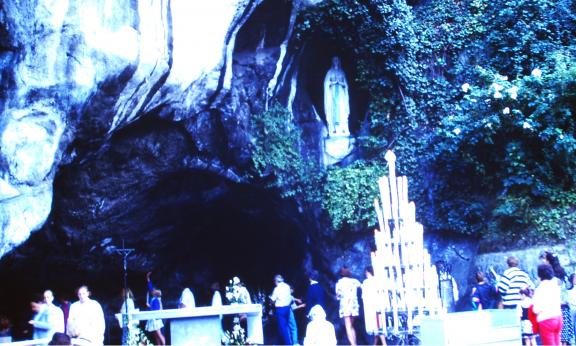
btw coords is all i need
(336, 100)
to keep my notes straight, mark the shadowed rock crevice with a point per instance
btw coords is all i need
(266, 27)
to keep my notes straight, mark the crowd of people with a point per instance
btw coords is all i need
(546, 310)
(320, 331)
(83, 322)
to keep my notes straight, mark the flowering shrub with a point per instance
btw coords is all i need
(514, 137)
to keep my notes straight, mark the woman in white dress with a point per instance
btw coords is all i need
(373, 299)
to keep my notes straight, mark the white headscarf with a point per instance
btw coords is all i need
(317, 313)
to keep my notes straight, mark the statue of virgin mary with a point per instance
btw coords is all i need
(336, 100)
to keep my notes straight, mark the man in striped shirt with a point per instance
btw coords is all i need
(511, 282)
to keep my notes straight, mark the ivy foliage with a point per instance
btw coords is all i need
(278, 156)
(349, 194)
(346, 194)
(477, 99)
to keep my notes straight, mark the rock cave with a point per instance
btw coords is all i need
(133, 125)
(190, 227)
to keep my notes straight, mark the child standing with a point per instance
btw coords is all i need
(528, 335)
(155, 326)
(484, 295)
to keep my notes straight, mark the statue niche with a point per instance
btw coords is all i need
(336, 100)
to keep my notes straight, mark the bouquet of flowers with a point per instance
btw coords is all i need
(236, 293)
(236, 336)
(137, 337)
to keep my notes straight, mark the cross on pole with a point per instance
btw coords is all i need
(124, 252)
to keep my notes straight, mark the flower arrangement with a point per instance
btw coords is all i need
(137, 337)
(236, 293)
(236, 336)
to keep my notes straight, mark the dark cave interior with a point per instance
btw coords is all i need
(189, 227)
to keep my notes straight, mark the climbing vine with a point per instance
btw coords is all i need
(476, 97)
(349, 193)
(278, 157)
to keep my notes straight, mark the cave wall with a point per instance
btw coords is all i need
(74, 72)
(115, 116)
(131, 123)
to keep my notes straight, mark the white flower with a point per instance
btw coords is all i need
(513, 91)
(497, 86)
(465, 87)
(497, 95)
(561, 136)
(457, 131)
(489, 125)
(235, 280)
(526, 125)
(506, 110)
(536, 73)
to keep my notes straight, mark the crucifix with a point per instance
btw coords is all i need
(124, 252)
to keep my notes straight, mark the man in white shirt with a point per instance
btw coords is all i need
(86, 319)
(282, 298)
(49, 318)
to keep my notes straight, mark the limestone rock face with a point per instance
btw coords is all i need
(131, 120)
(74, 72)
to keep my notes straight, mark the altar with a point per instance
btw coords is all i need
(202, 325)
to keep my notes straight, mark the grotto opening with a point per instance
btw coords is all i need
(190, 227)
